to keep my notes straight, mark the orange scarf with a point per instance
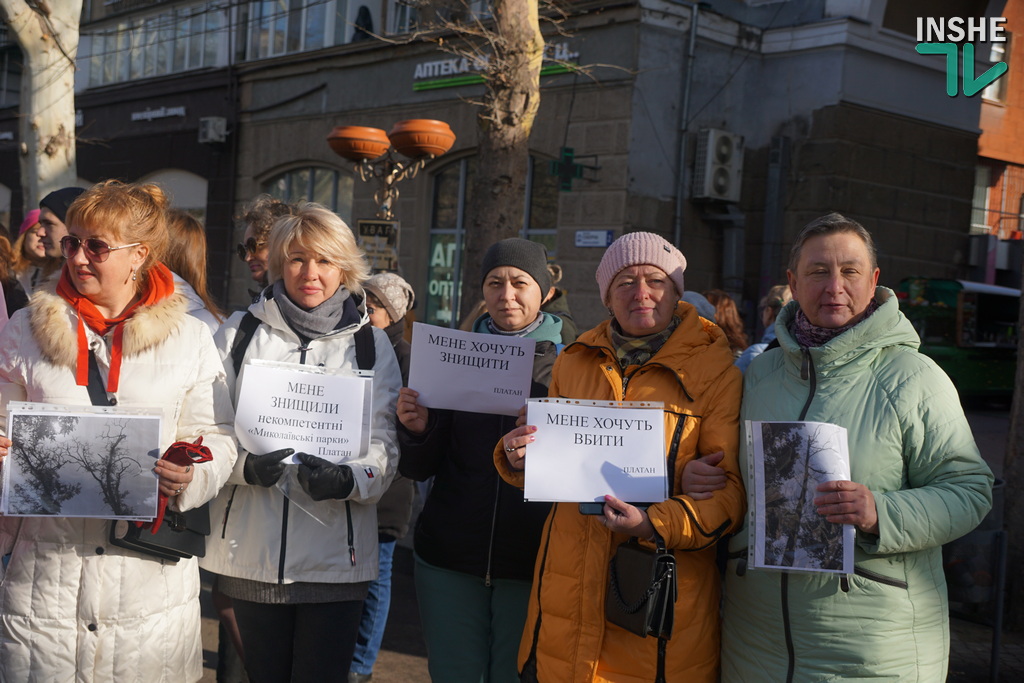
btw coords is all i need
(159, 284)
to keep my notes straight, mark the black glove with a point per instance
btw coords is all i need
(323, 479)
(265, 470)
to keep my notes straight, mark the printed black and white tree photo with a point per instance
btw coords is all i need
(797, 457)
(82, 465)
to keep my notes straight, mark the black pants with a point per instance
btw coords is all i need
(308, 642)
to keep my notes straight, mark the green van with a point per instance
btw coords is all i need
(969, 328)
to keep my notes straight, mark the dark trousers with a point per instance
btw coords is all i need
(307, 642)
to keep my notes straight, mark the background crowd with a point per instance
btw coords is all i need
(508, 589)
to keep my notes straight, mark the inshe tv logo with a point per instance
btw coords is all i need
(941, 37)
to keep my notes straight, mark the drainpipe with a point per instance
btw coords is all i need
(684, 124)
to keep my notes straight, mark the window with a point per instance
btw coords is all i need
(325, 186)
(979, 206)
(185, 39)
(996, 91)
(447, 231)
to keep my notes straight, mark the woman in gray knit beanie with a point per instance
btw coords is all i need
(654, 348)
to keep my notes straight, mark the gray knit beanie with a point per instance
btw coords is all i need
(531, 257)
(640, 248)
(394, 293)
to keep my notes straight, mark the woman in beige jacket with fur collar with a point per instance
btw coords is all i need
(73, 606)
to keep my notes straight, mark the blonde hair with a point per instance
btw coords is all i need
(186, 255)
(777, 297)
(318, 229)
(128, 212)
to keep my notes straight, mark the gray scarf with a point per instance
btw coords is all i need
(319, 320)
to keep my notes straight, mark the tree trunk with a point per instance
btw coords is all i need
(48, 36)
(495, 208)
(1013, 475)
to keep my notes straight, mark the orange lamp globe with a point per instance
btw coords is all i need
(417, 138)
(358, 143)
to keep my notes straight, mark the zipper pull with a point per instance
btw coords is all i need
(352, 555)
(487, 578)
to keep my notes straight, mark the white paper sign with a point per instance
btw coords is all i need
(786, 462)
(321, 411)
(588, 449)
(81, 461)
(478, 373)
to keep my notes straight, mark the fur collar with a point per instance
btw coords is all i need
(53, 324)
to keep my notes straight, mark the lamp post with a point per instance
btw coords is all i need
(373, 153)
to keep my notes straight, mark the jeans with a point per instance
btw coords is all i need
(375, 611)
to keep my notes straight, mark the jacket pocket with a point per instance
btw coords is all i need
(879, 578)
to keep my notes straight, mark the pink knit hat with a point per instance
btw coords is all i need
(31, 218)
(640, 248)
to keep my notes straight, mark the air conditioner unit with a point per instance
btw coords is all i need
(213, 129)
(718, 169)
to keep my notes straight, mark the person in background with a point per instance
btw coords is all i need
(777, 297)
(388, 299)
(654, 348)
(298, 584)
(31, 264)
(476, 538)
(75, 606)
(186, 257)
(259, 217)
(849, 357)
(15, 297)
(703, 306)
(53, 210)
(727, 316)
(558, 305)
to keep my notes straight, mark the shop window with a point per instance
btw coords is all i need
(447, 230)
(325, 186)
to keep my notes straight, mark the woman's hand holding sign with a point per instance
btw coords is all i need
(515, 442)
(410, 413)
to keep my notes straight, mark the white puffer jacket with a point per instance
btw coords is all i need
(258, 533)
(72, 606)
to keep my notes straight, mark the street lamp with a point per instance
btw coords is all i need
(373, 153)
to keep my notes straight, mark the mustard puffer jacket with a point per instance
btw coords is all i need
(566, 638)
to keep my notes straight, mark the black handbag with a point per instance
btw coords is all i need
(642, 589)
(182, 535)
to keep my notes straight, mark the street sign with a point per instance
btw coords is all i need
(594, 238)
(379, 239)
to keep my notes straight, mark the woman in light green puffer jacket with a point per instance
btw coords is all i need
(912, 456)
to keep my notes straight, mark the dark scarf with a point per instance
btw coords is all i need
(334, 313)
(639, 350)
(809, 335)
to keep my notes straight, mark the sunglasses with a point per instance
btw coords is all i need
(250, 246)
(95, 249)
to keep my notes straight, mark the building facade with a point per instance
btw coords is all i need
(723, 126)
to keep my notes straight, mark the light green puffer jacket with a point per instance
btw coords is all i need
(910, 444)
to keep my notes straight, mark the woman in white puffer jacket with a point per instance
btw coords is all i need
(296, 583)
(73, 607)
